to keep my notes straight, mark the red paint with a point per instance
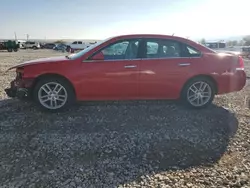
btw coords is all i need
(97, 79)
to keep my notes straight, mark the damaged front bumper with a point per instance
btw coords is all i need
(17, 90)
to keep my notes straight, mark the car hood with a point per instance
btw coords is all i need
(40, 60)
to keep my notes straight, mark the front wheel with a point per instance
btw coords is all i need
(53, 94)
(198, 93)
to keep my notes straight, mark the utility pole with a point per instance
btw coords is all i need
(15, 36)
(27, 37)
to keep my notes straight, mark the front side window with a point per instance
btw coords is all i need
(126, 49)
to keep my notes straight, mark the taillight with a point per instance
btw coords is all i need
(240, 63)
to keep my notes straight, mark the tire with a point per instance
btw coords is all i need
(15, 50)
(9, 49)
(34, 47)
(188, 89)
(66, 90)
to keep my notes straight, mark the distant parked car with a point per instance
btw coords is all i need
(60, 47)
(49, 46)
(131, 67)
(31, 44)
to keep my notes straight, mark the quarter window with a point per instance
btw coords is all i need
(191, 52)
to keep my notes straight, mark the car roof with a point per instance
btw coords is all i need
(149, 36)
(182, 39)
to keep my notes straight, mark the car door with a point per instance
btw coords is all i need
(164, 69)
(115, 76)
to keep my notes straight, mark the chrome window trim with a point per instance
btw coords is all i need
(112, 60)
(161, 58)
(89, 61)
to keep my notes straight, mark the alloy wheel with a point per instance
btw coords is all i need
(52, 95)
(199, 93)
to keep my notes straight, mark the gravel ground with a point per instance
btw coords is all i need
(123, 144)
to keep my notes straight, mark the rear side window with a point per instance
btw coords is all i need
(152, 48)
(162, 48)
(30, 42)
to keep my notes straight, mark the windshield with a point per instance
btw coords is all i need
(82, 52)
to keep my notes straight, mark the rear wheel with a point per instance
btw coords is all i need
(9, 49)
(198, 93)
(53, 94)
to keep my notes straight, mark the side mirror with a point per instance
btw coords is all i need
(98, 56)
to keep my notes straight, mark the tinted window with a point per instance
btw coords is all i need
(79, 42)
(157, 48)
(74, 42)
(152, 48)
(121, 50)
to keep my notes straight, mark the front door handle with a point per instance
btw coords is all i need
(184, 64)
(130, 66)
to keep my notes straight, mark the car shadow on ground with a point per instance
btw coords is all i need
(112, 143)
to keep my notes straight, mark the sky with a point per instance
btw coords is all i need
(100, 19)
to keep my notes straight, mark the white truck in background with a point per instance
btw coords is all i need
(79, 45)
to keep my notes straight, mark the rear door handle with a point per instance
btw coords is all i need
(130, 66)
(184, 64)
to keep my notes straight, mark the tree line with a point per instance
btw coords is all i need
(245, 41)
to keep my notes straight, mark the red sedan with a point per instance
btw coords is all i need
(130, 67)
